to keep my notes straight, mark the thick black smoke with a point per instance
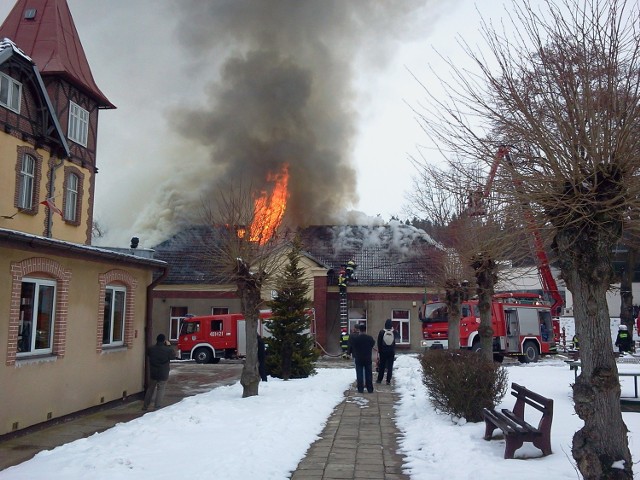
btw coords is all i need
(283, 92)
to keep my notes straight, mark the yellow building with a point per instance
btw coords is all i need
(74, 319)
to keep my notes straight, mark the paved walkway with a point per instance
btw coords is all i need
(359, 441)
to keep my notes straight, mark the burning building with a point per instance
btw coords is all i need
(393, 278)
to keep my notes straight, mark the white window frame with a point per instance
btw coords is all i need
(29, 326)
(11, 98)
(71, 200)
(27, 181)
(220, 308)
(398, 323)
(356, 317)
(78, 124)
(177, 321)
(110, 311)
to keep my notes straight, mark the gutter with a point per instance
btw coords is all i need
(148, 338)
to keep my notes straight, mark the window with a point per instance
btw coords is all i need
(400, 320)
(188, 328)
(37, 316)
(113, 327)
(78, 124)
(217, 326)
(175, 321)
(71, 198)
(356, 317)
(26, 182)
(219, 310)
(10, 93)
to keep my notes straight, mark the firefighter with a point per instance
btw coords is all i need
(342, 283)
(623, 340)
(576, 342)
(344, 342)
(350, 269)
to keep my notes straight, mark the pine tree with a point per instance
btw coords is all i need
(291, 351)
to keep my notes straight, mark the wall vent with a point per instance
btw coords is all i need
(30, 13)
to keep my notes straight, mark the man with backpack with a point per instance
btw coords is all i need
(386, 351)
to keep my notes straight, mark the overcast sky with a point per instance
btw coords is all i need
(165, 65)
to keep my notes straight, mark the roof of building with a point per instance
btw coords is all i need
(39, 244)
(388, 255)
(45, 31)
(188, 254)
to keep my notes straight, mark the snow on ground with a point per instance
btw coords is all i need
(434, 443)
(264, 437)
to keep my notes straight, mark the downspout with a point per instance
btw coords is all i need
(148, 340)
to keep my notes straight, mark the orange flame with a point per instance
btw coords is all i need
(269, 208)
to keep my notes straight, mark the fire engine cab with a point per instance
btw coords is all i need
(207, 339)
(522, 326)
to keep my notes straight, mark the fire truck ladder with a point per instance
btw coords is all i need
(344, 312)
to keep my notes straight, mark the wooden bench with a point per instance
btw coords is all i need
(512, 423)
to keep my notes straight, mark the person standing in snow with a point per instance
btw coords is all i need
(386, 351)
(623, 340)
(361, 347)
(159, 355)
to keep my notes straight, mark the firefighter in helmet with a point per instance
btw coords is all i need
(623, 340)
(342, 282)
(350, 268)
(344, 341)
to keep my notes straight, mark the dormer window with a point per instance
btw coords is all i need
(78, 124)
(10, 93)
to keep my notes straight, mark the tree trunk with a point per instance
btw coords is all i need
(250, 301)
(484, 267)
(626, 293)
(454, 300)
(287, 354)
(586, 268)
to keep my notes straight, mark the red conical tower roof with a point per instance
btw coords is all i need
(45, 31)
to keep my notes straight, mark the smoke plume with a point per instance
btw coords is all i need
(280, 88)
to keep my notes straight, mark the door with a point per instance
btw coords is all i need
(513, 330)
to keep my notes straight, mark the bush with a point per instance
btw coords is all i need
(462, 382)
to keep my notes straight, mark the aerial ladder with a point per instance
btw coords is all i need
(476, 204)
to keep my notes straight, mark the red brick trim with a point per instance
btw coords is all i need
(122, 278)
(46, 268)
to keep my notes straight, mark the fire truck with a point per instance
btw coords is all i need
(522, 326)
(526, 338)
(209, 338)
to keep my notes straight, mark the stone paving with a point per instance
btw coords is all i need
(359, 441)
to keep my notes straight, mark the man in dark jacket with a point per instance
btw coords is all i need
(159, 355)
(361, 347)
(386, 351)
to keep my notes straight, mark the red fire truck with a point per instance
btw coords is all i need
(522, 326)
(209, 338)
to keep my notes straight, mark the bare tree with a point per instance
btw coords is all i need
(562, 87)
(249, 253)
(477, 238)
